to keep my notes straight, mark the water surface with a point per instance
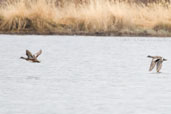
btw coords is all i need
(84, 75)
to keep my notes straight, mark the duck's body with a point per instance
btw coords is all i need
(32, 58)
(156, 61)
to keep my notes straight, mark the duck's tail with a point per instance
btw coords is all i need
(164, 59)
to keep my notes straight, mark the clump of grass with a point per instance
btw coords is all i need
(27, 15)
(163, 26)
(93, 16)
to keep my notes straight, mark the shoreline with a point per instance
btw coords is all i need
(82, 33)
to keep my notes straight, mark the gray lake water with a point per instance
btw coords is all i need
(84, 75)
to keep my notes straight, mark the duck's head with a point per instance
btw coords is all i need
(149, 56)
(22, 58)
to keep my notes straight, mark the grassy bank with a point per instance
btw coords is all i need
(96, 17)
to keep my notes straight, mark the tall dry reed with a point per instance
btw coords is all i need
(94, 16)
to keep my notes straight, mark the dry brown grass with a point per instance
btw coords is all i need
(90, 17)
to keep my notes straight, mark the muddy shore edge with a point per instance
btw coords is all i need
(82, 33)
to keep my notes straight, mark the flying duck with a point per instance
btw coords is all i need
(156, 60)
(32, 58)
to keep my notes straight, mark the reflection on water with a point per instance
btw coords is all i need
(84, 75)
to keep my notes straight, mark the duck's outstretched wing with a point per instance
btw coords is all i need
(152, 65)
(159, 65)
(29, 54)
(38, 53)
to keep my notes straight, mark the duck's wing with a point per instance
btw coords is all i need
(152, 65)
(29, 54)
(159, 65)
(38, 53)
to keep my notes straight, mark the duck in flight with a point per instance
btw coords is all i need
(156, 61)
(31, 57)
